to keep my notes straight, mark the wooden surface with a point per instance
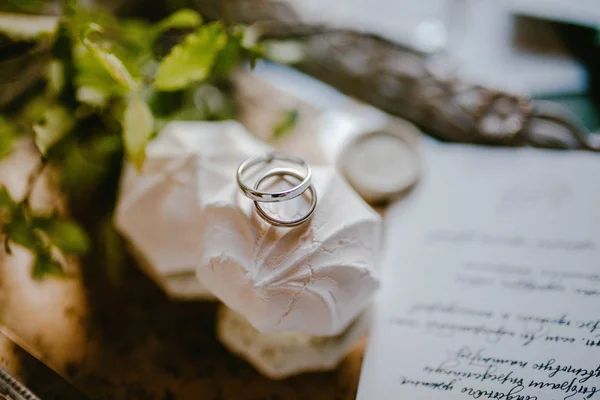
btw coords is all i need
(113, 334)
(139, 345)
(43, 382)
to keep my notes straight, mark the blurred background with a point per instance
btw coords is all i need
(544, 49)
(431, 62)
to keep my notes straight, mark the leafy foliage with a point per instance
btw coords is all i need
(138, 126)
(107, 95)
(44, 235)
(184, 18)
(54, 125)
(192, 60)
(63, 233)
(109, 61)
(44, 264)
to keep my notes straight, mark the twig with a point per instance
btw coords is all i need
(7, 248)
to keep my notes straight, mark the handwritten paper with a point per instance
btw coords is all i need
(491, 280)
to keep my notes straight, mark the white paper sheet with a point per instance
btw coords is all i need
(491, 280)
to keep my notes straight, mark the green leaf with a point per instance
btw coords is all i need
(45, 265)
(111, 63)
(33, 111)
(20, 231)
(134, 43)
(56, 123)
(229, 58)
(184, 18)
(84, 19)
(92, 96)
(63, 233)
(138, 125)
(99, 35)
(135, 47)
(7, 136)
(7, 205)
(133, 33)
(193, 59)
(95, 86)
(287, 124)
(55, 77)
(6, 199)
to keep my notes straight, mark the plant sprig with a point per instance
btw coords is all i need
(107, 95)
(44, 235)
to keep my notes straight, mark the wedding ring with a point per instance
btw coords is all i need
(273, 197)
(280, 222)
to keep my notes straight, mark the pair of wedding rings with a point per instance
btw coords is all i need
(301, 171)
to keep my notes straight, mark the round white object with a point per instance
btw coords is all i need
(376, 153)
(381, 163)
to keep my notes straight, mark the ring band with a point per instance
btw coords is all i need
(273, 197)
(278, 222)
